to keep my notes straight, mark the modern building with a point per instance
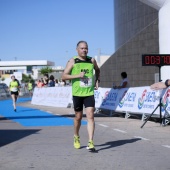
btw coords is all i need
(101, 59)
(137, 29)
(18, 67)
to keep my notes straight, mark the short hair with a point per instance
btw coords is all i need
(82, 42)
(46, 74)
(124, 74)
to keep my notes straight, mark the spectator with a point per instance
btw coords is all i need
(51, 82)
(56, 83)
(39, 84)
(124, 83)
(45, 80)
(62, 82)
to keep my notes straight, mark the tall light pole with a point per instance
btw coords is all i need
(98, 55)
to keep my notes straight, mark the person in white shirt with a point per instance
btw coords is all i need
(124, 83)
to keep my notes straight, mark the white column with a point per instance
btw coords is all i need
(164, 30)
(164, 36)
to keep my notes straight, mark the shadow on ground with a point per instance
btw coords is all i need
(9, 136)
(113, 144)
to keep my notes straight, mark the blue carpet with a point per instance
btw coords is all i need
(32, 117)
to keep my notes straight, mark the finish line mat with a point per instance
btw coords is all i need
(32, 117)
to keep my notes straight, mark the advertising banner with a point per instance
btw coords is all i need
(139, 100)
(52, 96)
(135, 100)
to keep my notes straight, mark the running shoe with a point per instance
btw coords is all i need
(90, 145)
(76, 142)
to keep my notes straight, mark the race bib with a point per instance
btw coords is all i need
(85, 82)
(14, 89)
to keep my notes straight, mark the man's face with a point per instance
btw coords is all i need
(82, 49)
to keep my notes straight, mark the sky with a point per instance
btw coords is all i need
(50, 29)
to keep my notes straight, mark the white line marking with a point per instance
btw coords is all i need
(141, 138)
(167, 146)
(49, 112)
(57, 114)
(151, 121)
(118, 130)
(103, 125)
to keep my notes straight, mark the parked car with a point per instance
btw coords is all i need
(4, 89)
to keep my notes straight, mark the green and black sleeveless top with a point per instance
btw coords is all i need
(83, 86)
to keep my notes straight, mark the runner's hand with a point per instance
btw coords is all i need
(82, 74)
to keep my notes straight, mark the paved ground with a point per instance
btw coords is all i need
(120, 143)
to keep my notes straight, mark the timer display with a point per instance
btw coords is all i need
(155, 59)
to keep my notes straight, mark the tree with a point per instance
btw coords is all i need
(46, 70)
(26, 78)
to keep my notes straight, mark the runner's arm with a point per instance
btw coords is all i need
(97, 73)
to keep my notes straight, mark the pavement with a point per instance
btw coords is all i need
(40, 137)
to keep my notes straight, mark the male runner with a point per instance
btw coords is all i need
(80, 69)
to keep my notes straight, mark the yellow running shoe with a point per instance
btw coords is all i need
(76, 142)
(90, 146)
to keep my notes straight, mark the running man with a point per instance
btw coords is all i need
(14, 88)
(80, 69)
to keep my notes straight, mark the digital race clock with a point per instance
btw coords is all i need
(155, 59)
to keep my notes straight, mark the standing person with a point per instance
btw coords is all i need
(51, 82)
(125, 81)
(56, 83)
(46, 79)
(79, 69)
(14, 88)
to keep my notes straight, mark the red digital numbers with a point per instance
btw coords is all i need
(166, 60)
(155, 59)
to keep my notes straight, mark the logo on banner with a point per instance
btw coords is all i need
(149, 98)
(141, 100)
(165, 99)
(96, 94)
(122, 99)
(105, 98)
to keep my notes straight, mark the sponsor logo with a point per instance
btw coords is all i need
(122, 99)
(165, 100)
(147, 97)
(141, 100)
(105, 98)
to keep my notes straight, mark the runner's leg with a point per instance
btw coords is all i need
(13, 100)
(90, 122)
(77, 122)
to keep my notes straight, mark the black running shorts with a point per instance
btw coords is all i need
(16, 93)
(87, 101)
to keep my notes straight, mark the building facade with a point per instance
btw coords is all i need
(136, 33)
